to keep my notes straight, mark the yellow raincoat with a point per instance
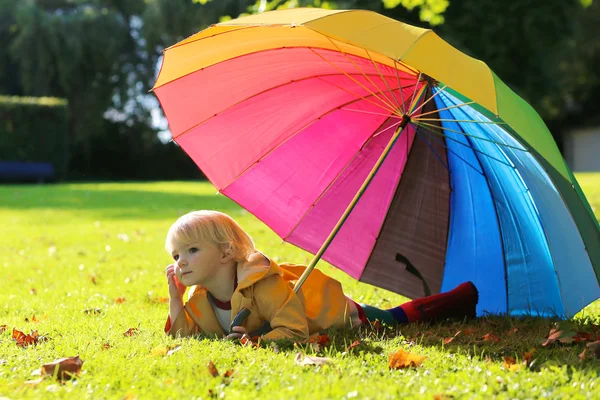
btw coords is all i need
(266, 289)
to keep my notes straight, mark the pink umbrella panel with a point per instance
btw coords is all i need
(291, 135)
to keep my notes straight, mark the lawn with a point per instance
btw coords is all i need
(83, 263)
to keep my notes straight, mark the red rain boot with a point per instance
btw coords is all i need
(457, 303)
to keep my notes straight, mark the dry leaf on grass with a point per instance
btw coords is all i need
(563, 332)
(528, 357)
(450, 339)
(249, 341)
(510, 363)
(592, 350)
(64, 368)
(131, 332)
(583, 337)
(120, 300)
(2, 328)
(24, 340)
(165, 351)
(212, 369)
(303, 359)
(92, 311)
(403, 359)
(353, 345)
(490, 337)
(215, 373)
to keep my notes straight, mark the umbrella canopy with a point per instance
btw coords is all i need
(287, 112)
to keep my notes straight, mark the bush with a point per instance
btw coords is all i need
(34, 129)
(121, 151)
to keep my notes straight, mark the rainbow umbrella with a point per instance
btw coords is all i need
(381, 148)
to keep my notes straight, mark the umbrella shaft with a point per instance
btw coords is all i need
(319, 254)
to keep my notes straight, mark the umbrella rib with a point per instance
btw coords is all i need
(289, 138)
(460, 120)
(360, 69)
(443, 109)
(456, 154)
(403, 110)
(391, 108)
(364, 145)
(263, 92)
(470, 135)
(400, 108)
(412, 100)
(432, 149)
(179, 44)
(478, 151)
(428, 100)
(371, 112)
(354, 94)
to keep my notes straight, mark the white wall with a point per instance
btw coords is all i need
(582, 149)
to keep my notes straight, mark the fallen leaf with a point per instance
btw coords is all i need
(32, 291)
(376, 325)
(249, 341)
(2, 328)
(563, 332)
(228, 373)
(24, 340)
(353, 345)
(513, 331)
(159, 300)
(92, 311)
(490, 337)
(510, 363)
(583, 337)
(403, 359)
(593, 348)
(131, 332)
(303, 359)
(527, 357)
(212, 369)
(450, 339)
(64, 368)
(469, 331)
(106, 346)
(120, 300)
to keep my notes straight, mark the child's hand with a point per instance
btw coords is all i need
(238, 332)
(176, 288)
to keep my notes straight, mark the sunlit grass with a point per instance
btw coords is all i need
(65, 249)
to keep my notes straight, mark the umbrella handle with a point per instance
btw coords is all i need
(241, 316)
(411, 268)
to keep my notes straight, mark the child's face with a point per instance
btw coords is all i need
(195, 264)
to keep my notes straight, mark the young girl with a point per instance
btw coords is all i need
(217, 259)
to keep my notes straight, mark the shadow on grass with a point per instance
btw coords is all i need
(111, 204)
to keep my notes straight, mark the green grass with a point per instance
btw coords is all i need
(74, 247)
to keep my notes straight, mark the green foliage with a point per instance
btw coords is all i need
(71, 247)
(34, 129)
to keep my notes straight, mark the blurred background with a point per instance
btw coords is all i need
(75, 75)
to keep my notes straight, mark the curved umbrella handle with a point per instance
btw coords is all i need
(241, 316)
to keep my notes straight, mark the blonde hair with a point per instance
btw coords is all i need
(207, 226)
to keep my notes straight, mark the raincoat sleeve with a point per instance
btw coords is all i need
(183, 325)
(278, 304)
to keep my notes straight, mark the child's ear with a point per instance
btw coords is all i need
(226, 255)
